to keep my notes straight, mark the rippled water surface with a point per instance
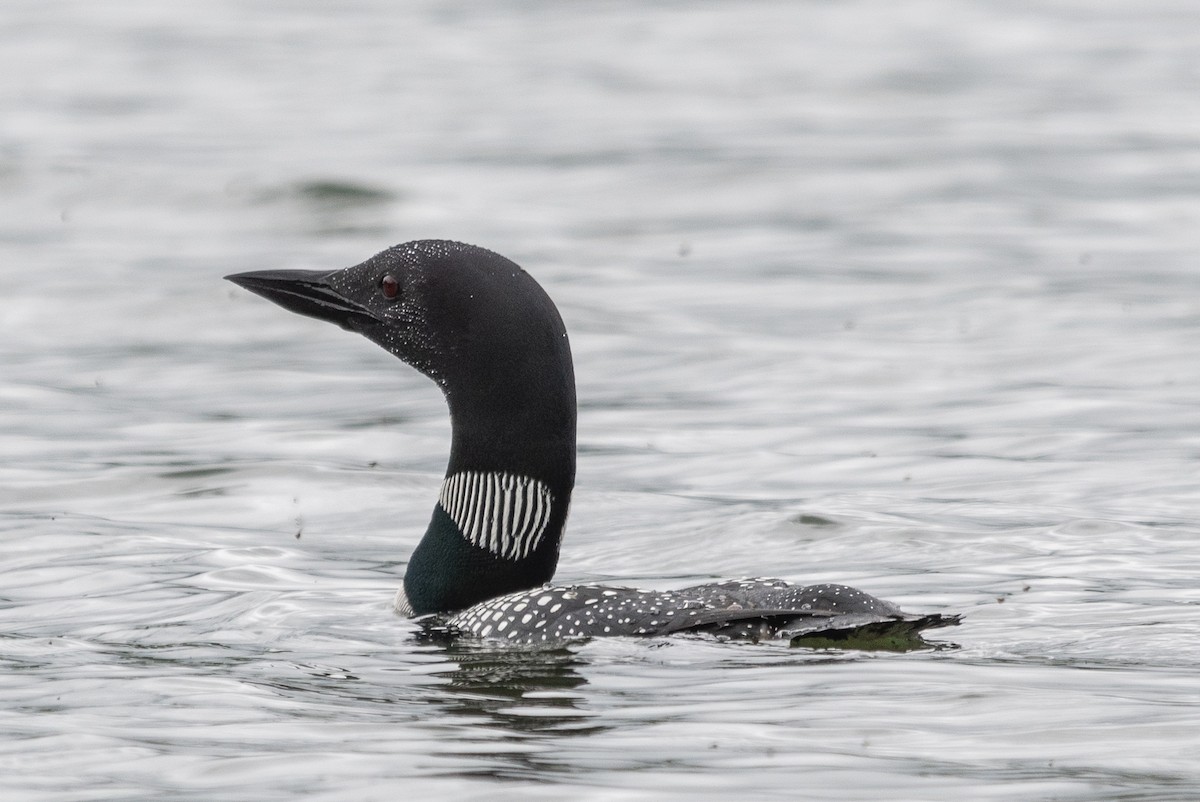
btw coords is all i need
(901, 295)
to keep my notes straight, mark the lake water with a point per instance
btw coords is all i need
(901, 295)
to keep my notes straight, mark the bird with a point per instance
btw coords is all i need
(491, 338)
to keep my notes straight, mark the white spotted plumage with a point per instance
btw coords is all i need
(743, 609)
(505, 513)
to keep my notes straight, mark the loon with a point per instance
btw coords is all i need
(490, 337)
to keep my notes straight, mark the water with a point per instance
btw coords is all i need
(898, 295)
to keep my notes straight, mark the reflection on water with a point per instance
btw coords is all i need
(523, 692)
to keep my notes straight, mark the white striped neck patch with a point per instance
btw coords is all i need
(504, 513)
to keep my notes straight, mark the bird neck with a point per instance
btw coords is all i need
(503, 505)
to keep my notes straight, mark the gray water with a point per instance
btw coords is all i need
(901, 295)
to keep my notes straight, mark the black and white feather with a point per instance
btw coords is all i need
(505, 513)
(743, 609)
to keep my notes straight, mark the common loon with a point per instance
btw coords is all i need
(493, 341)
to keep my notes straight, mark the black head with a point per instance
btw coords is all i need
(442, 307)
(482, 328)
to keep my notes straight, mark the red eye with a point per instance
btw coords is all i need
(389, 286)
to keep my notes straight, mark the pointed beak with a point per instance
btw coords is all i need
(306, 292)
